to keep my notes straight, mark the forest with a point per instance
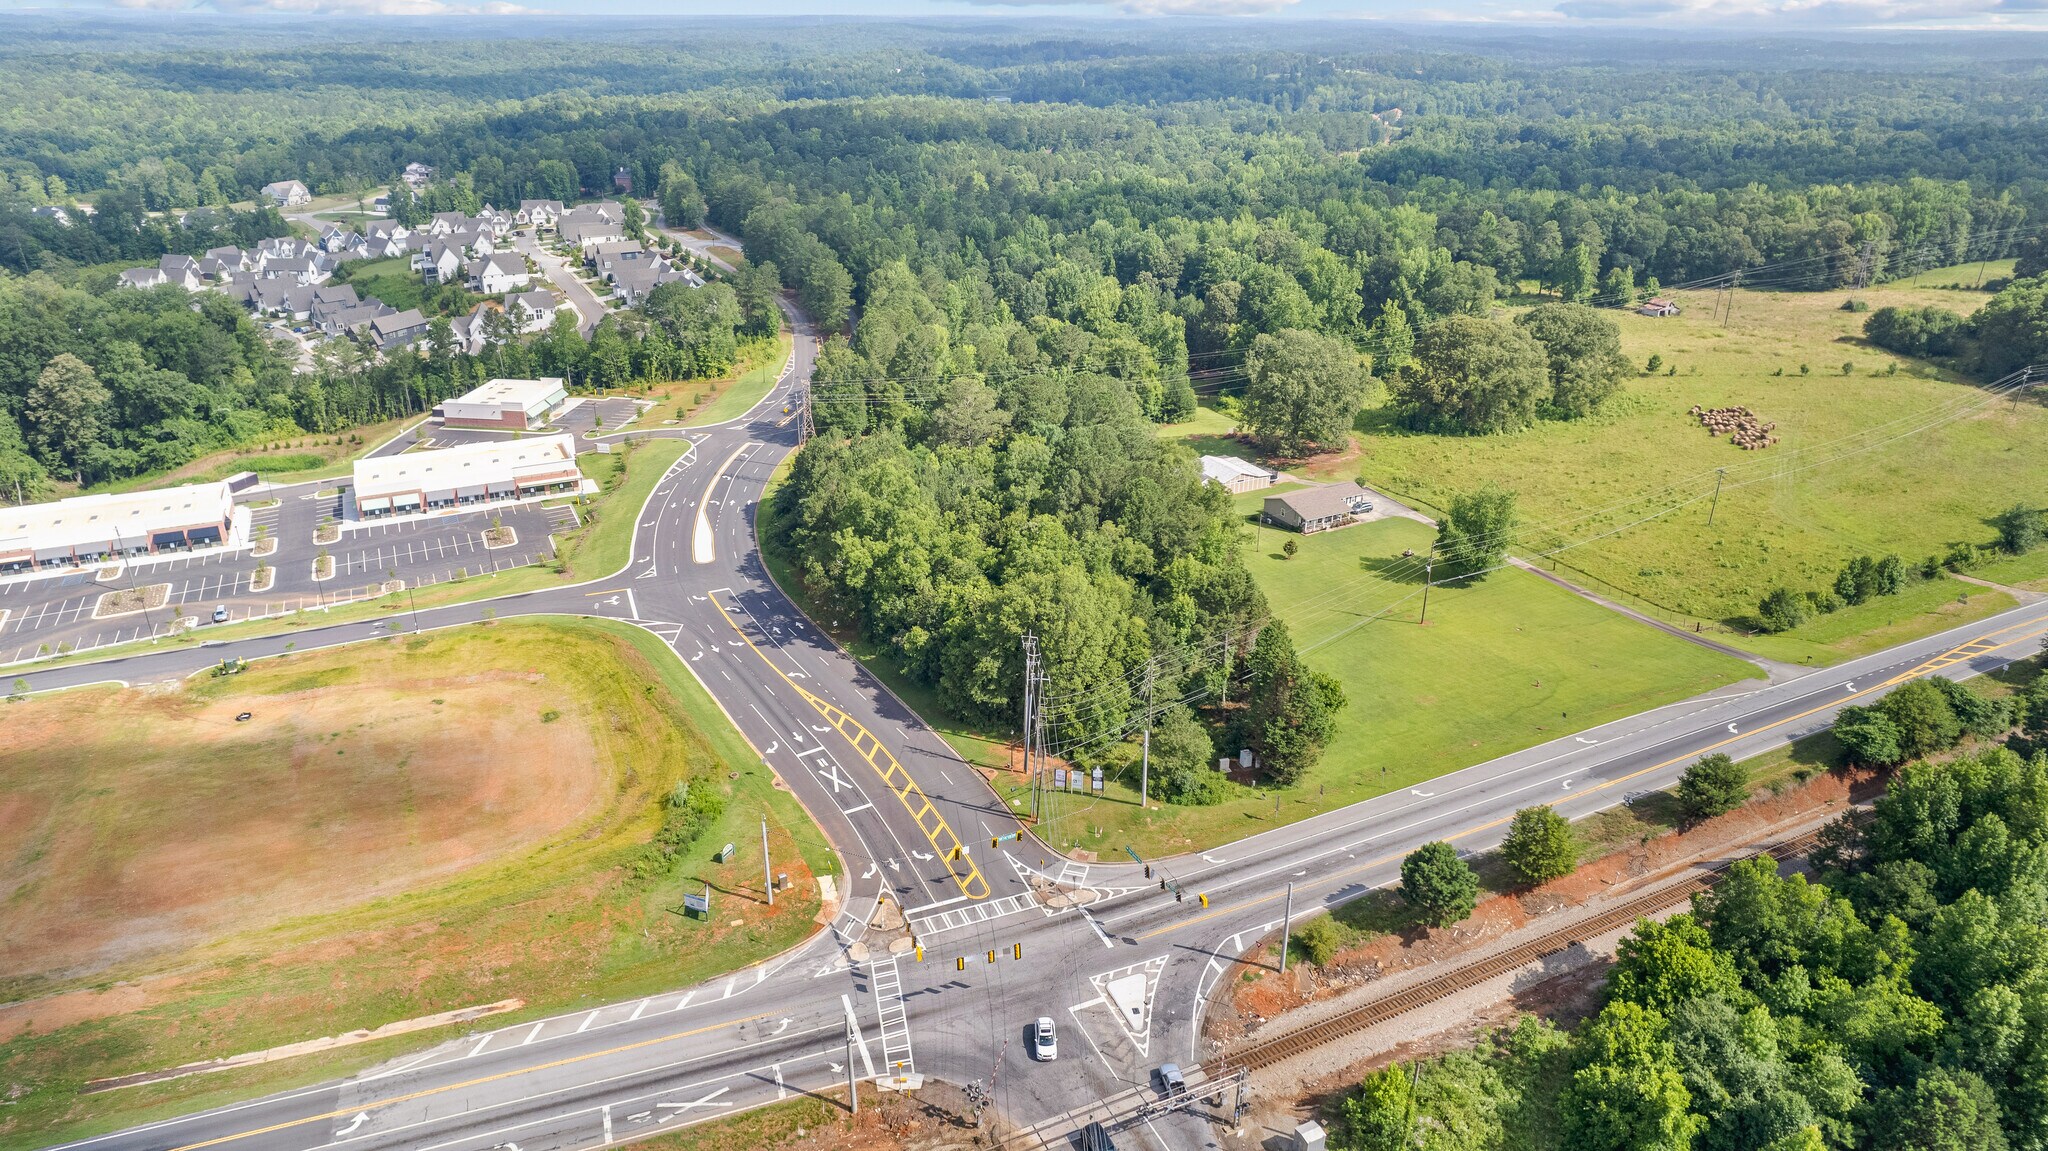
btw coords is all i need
(1897, 998)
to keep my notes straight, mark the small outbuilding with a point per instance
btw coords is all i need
(1313, 510)
(1236, 475)
(1658, 306)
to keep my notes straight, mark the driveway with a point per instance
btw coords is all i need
(563, 277)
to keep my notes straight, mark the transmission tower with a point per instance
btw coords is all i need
(808, 428)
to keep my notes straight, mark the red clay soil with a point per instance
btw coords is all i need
(1381, 955)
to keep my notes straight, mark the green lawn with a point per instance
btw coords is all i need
(559, 924)
(746, 391)
(391, 280)
(1501, 665)
(2029, 571)
(1775, 524)
(1208, 434)
(1922, 608)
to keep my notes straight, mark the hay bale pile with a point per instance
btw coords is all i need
(1739, 424)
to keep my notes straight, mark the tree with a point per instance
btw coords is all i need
(1381, 1116)
(1393, 338)
(1662, 965)
(1293, 709)
(1539, 846)
(1626, 1094)
(1924, 716)
(682, 205)
(1942, 1110)
(1184, 760)
(64, 413)
(1475, 375)
(1438, 884)
(1476, 531)
(1782, 610)
(826, 292)
(1584, 352)
(2021, 528)
(1305, 390)
(1717, 784)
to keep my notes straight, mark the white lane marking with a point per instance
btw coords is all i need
(859, 1040)
(684, 1001)
(1099, 933)
(533, 1034)
(361, 1118)
(587, 1021)
(638, 1010)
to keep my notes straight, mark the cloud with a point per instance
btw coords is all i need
(1157, 7)
(336, 7)
(1823, 13)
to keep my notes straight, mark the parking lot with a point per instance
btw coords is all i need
(55, 614)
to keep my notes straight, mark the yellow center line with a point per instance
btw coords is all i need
(1955, 655)
(477, 1082)
(908, 793)
(607, 591)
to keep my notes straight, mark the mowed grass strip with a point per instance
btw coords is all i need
(1502, 664)
(368, 872)
(1795, 527)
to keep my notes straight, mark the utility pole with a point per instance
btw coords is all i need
(852, 1084)
(1731, 298)
(1428, 580)
(1865, 261)
(1719, 473)
(1286, 926)
(1031, 704)
(1145, 756)
(809, 428)
(767, 866)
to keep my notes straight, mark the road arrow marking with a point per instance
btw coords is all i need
(710, 1100)
(1594, 742)
(772, 745)
(1731, 729)
(781, 1027)
(361, 1118)
(922, 857)
(872, 868)
(1423, 794)
(1213, 859)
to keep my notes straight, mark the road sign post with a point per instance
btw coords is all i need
(1286, 924)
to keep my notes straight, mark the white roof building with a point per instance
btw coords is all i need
(513, 405)
(87, 528)
(501, 470)
(1236, 475)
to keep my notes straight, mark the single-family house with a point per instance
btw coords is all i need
(417, 175)
(1312, 510)
(141, 278)
(541, 214)
(287, 193)
(498, 273)
(607, 258)
(347, 321)
(531, 311)
(181, 270)
(53, 212)
(439, 263)
(398, 329)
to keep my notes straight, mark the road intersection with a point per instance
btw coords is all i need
(1125, 967)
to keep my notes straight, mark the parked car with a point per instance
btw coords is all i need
(1170, 1079)
(220, 614)
(1045, 1045)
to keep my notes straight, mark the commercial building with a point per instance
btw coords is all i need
(1319, 509)
(512, 405)
(500, 471)
(92, 529)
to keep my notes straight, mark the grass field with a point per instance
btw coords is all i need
(391, 280)
(177, 894)
(1502, 664)
(1774, 524)
(727, 398)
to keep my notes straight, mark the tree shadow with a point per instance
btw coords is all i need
(1407, 571)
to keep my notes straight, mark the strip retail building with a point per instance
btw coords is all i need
(114, 525)
(503, 471)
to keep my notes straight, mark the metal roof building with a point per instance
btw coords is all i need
(86, 529)
(422, 481)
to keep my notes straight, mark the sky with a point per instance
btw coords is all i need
(1761, 16)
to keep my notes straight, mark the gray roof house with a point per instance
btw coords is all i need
(1312, 510)
(287, 193)
(398, 329)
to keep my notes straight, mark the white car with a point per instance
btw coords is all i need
(1045, 1045)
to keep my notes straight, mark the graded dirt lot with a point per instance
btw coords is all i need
(163, 821)
(403, 828)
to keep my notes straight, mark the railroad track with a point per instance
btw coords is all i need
(1268, 1052)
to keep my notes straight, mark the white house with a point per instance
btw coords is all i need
(287, 193)
(498, 273)
(534, 310)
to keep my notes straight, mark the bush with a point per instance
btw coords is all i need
(1782, 610)
(1318, 940)
(1852, 304)
(2021, 529)
(1539, 846)
(1714, 786)
(1440, 886)
(687, 813)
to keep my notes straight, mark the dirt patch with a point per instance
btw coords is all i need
(171, 822)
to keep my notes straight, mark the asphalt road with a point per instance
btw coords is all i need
(1126, 980)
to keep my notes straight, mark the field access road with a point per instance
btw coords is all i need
(1126, 978)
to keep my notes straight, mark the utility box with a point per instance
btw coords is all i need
(1244, 758)
(1309, 1137)
(725, 854)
